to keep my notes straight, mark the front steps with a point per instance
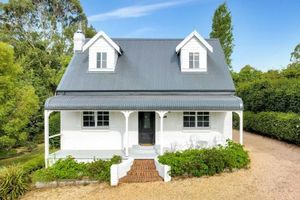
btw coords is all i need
(142, 170)
(143, 152)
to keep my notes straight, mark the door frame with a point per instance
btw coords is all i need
(139, 127)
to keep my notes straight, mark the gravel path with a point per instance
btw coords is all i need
(274, 174)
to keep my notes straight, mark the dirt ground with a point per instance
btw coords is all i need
(274, 174)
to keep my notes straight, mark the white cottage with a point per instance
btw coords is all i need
(141, 97)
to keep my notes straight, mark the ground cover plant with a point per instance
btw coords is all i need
(200, 162)
(69, 168)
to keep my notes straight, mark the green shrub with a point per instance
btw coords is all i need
(100, 169)
(70, 169)
(199, 162)
(277, 95)
(282, 126)
(13, 182)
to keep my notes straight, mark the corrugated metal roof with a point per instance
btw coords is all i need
(144, 102)
(148, 65)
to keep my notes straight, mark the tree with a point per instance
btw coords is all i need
(222, 29)
(18, 101)
(295, 55)
(41, 33)
(246, 74)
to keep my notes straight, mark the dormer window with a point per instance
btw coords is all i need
(194, 62)
(101, 60)
(194, 51)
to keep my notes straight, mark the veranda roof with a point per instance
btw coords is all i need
(144, 102)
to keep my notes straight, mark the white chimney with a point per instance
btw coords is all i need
(78, 39)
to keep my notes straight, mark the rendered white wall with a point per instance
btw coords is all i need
(194, 45)
(101, 45)
(74, 136)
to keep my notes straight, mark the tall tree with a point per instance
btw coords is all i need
(295, 55)
(41, 32)
(18, 101)
(222, 29)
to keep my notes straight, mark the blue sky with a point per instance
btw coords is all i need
(265, 31)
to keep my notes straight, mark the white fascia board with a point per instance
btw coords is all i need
(190, 36)
(98, 35)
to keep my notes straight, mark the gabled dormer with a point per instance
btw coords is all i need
(103, 53)
(193, 53)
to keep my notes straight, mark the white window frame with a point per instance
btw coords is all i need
(196, 119)
(101, 60)
(95, 119)
(194, 54)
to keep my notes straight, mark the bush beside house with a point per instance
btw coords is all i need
(282, 126)
(69, 168)
(200, 162)
(15, 180)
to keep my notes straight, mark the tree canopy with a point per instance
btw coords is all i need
(18, 101)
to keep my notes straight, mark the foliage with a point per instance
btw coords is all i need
(199, 162)
(282, 126)
(100, 169)
(18, 101)
(222, 29)
(280, 95)
(295, 55)
(43, 47)
(70, 169)
(14, 182)
(54, 128)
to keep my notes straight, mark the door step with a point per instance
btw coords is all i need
(142, 171)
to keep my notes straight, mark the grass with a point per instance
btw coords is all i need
(19, 159)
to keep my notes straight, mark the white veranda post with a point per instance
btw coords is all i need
(161, 115)
(46, 126)
(240, 113)
(126, 134)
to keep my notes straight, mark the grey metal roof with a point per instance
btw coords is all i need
(148, 65)
(144, 102)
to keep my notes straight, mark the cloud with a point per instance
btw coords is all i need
(134, 11)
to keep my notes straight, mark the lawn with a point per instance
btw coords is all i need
(24, 157)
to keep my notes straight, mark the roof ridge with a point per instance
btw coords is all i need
(118, 38)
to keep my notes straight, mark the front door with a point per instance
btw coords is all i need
(146, 128)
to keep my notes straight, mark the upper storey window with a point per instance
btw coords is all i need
(101, 60)
(194, 62)
(194, 51)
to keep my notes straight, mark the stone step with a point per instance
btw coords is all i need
(142, 171)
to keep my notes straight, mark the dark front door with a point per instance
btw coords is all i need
(146, 127)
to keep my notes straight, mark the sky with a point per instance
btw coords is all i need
(265, 31)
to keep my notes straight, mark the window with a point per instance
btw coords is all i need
(102, 119)
(196, 119)
(101, 60)
(90, 117)
(194, 60)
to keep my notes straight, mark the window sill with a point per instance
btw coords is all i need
(194, 70)
(93, 129)
(195, 130)
(101, 70)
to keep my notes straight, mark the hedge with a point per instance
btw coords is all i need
(266, 95)
(199, 162)
(282, 126)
